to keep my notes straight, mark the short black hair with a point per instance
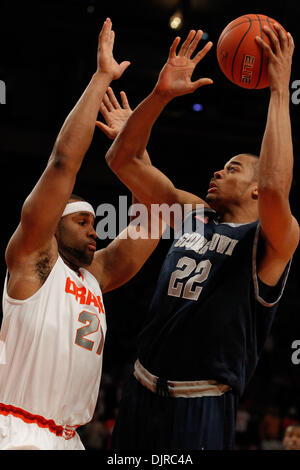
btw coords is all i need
(252, 154)
(75, 197)
(255, 165)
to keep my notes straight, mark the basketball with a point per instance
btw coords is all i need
(239, 56)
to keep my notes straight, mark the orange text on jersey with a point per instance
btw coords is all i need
(83, 296)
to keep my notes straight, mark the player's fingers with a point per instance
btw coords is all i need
(104, 128)
(202, 82)
(265, 46)
(102, 30)
(194, 43)
(173, 47)
(199, 56)
(284, 41)
(123, 66)
(112, 98)
(107, 103)
(112, 38)
(106, 29)
(275, 43)
(104, 111)
(124, 100)
(291, 44)
(186, 43)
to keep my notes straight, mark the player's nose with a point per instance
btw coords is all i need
(218, 174)
(92, 233)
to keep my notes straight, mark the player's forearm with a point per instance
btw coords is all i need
(129, 160)
(133, 139)
(276, 157)
(77, 131)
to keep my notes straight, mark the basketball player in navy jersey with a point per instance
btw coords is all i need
(219, 286)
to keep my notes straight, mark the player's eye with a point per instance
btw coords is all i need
(81, 222)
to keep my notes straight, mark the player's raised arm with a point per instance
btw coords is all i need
(116, 115)
(126, 155)
(279, 228)
(43, 208)
(115, 264)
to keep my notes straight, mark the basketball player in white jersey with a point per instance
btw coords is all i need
(53, 329)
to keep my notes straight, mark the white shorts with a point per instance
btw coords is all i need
(15, 434)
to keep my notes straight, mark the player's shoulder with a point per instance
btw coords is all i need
(28, 270)
(17, 254)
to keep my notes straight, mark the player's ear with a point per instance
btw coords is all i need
(254, 193)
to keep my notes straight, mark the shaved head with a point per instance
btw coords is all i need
(255, 164)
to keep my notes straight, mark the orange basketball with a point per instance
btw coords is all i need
(240, 58)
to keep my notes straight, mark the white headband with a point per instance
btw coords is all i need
(79, 206)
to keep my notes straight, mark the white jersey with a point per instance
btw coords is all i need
(51, 348)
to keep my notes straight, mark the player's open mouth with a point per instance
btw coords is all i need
(212, 187)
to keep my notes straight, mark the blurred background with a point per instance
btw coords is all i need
(47, 57)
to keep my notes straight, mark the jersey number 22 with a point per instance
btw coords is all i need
(189, 288)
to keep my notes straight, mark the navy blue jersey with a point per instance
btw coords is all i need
(210, 314)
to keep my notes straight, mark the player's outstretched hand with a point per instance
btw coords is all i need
(175, 77)
(105, 59)
(114, 113)
(279, 55)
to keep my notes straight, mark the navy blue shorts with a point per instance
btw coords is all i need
(147, 421)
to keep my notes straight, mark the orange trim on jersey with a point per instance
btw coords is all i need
(37, 419)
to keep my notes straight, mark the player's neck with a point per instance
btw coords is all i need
(239, 215)
(70, 264)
